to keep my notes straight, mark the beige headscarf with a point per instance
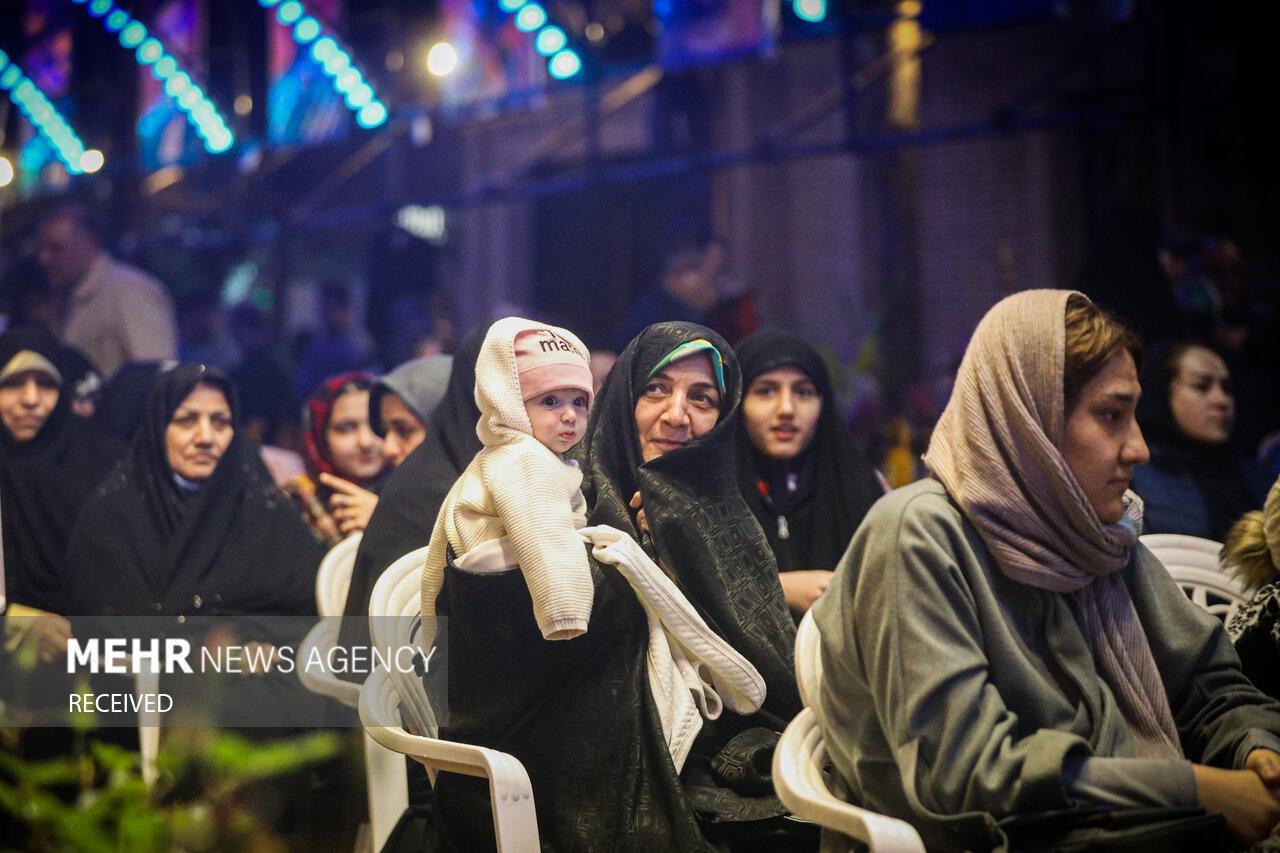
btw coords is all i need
(997, 450)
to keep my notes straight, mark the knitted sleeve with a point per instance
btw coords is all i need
(533, 494)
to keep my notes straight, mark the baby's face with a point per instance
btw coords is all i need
(559, 417)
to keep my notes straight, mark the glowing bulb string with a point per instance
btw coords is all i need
(44, 116)
(149, 51)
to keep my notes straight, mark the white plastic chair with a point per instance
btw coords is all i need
(1219, 593)
(1194, 563)
(395, 619)
(385, 779)
(333, 579)
(801, 755)
(1175, 549)
(387, 695)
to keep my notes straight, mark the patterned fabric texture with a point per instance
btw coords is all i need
(1255, 630)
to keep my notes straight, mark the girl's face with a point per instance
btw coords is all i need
(26, 401)
(404, 431)
(781, 410)
(355, 450)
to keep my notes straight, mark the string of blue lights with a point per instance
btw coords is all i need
(47, 120)
(563, 62)
(336, 61)
(150, 51)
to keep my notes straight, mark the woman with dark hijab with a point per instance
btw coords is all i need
(412, 494)
(49, 464)
(189, 530)
(408, 503)
(580, 714)
(805, 480)
(1197, 483)
(699, 527)
(401, 402)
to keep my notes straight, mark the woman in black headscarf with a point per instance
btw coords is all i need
(806, 482)
(670, 483)
(1197, 483)
(189, 530)
(49, 463)
(579, 714)
(412, 494)
(699, 527)
(408, 503)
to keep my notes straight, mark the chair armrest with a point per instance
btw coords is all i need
(322, 636)
(514, 819)
(797, 776)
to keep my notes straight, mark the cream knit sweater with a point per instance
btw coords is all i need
(519, 489)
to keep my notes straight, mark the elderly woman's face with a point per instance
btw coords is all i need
(680, 403)
(198, 433)
(781, 410)
(1101, 440)
(1200, 397)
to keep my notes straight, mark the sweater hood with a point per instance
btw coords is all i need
(502, 416)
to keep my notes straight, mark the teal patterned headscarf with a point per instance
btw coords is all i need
(690, 348)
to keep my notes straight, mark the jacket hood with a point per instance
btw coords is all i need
(502, 415)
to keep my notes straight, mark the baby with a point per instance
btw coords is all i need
(519, 503)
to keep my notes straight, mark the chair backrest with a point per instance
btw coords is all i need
(1218, 593)
(334, 576)
(809, 661)
(387, 581)
(1175, 549)
(801, 758)
(395, 624)
(1193, 562)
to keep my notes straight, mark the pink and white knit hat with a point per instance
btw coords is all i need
(547, 360)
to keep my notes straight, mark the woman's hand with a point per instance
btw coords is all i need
(49, 632)
(1266, 764)
(1251, 809)
(642, 523)
(803, 588)
(259, 658)
(351, 505)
